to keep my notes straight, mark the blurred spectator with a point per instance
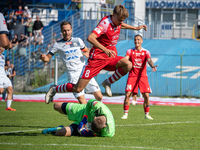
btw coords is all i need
(35, 56)
(103, 3)
(19, 14)
(20, 3)
(11, 22)
(55, 36)
(47, 49)
(10, 72)
(22, 45)
(27, 12)
(37, 26)
(14, 42)
(31, 39)
(78, 4)
(39, 39)
(29, 26)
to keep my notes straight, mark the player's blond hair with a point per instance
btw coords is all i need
(98, 123)
(121, 11)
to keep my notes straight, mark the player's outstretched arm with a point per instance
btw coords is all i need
(126, 26)
(150, 62)
(45, 58)
(92, 38)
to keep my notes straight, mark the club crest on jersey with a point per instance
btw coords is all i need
(75, 44)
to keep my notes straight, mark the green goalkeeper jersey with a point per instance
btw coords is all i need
(91, 109)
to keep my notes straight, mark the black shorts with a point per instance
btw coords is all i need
(74, 129)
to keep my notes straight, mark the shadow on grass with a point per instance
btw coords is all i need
(23, 126)
(21, 134)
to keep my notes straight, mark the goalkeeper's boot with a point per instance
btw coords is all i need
(125, 116)
(107, 87)
(148, 117)
(52, 130)
(50, 94)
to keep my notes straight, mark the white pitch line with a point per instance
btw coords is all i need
(151, 124)
(83, 145)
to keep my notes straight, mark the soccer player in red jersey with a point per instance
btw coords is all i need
(138, 76)
(103, 54)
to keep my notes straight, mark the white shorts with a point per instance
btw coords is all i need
(91, 87)
(5, 82)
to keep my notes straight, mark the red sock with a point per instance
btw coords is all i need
(117, 75)
(68, 87)
(146, 110)
(126, 108)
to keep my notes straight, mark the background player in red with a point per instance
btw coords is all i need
(138, 76)
(103, 54)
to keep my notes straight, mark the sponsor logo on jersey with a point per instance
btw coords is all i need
(137, 54)
(99, 29)
(4, 22)
(142, 54)
(70, 53)
(137, 59)
(68, 43)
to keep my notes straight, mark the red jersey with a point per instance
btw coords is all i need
(108, 35)
(139, 60)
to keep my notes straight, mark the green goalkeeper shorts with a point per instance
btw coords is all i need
(75, 112)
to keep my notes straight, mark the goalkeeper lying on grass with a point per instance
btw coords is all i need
(92, 119)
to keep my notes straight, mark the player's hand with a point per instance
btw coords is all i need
(11, 66)
(110, 53)
(154, 68)
(143, 27)
(42, 57)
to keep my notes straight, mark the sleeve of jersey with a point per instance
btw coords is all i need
(3, 28)
(148, 54)
(100, 29)
(128, 52)
(93, 105)
(53, 49)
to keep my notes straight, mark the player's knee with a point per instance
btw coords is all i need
(9, 90)
(1, 90)
(129, 65)
(128, 95)
(78, 90)
(99, 97)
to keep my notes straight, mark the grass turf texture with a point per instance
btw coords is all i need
(173, 127)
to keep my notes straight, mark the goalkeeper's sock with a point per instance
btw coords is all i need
(52, 130)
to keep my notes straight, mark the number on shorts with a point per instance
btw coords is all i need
(87, 73)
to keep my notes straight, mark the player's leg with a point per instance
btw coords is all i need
(145, 90)
(134, 101)
(60, 107)
(67, 87)
(126, 104)
(93, 87)
(131, 88)
(9, 98)
(68, 131)
(121, 66)
(4, 95)
(146, 106)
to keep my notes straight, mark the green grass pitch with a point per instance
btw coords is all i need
(173, 128)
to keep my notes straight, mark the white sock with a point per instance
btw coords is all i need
(8, 103)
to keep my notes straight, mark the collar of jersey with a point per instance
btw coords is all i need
(68, 40)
